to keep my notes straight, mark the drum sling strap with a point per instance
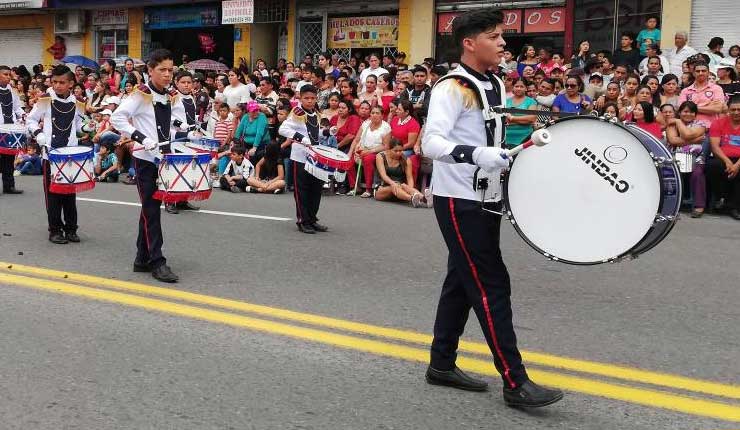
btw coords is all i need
(6, 104)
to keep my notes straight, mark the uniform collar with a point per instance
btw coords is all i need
(54, 96)
(476, 74)
(154, 90)
(185, 96)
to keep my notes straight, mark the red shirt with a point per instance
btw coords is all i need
(653, 128)
(729, 137)
(351, 125)
(401, 132)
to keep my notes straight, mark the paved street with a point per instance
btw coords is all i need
(272, 329)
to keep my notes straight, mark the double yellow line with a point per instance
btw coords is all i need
(676, 393)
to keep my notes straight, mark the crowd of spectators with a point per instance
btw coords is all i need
(374, 109)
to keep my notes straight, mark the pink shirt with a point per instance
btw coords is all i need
(702, 97)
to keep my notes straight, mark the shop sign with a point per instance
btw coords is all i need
(109, 16)
(237, 12)
(19, 4)
(512, 21)
(544, 20)
(181, 17)
(362, 32)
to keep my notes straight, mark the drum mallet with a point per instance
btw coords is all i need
(539, 137)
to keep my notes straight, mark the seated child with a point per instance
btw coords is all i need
(237, 171)
(106, 164)
(269, 173)
(28, 163)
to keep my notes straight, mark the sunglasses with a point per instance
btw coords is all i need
(571, 86)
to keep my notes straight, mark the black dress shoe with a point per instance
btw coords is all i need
(735, 214)
(306, 229)
(171, 208)
(319, 227)
(12, 191)
(164, 273)
(57, 238)
(530, 395)
(455, 378)
(142, 267)
(72, 237)
(187, 206)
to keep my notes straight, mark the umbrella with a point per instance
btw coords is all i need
(206, 65)
(80, 60)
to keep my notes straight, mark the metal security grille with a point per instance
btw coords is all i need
(270, 11)
(390, 51)
(342, 52)
(311, 37)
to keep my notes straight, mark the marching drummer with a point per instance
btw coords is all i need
(147, 117)
(461, 137)
(186, 110)
(302, 125)
(12, 113)
(61, 114)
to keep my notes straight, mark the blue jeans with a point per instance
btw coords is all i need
(330, 141)
(31, 167)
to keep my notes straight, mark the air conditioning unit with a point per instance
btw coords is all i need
(67, 22)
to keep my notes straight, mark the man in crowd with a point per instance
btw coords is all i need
(709, 97)
(678, 54)
(418, 93)
(724, 168)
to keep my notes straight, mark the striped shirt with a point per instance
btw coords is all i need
(222, 129)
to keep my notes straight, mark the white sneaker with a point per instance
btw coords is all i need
(416, 200)
(366, 195)
(248, 189)
(428, 197)
(16, 173)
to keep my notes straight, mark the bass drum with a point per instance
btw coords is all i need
(599, 192)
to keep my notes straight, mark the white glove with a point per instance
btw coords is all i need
(194, 136)
(41, 139)
(491, 159)
(150, 144)
(306, 141)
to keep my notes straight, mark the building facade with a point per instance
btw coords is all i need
(101, 29)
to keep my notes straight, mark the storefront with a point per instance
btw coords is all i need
(602, 22)
(195, 31)
(530, 25)
(110, 27)
(360, 28)
(25, 35)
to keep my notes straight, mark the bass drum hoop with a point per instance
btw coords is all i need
(663, 228)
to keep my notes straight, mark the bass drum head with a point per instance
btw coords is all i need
(587, 197)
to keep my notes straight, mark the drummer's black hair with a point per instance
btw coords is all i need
(308, 88)
(475, 22)
(63, 70)
(183, 74)
(157, 56)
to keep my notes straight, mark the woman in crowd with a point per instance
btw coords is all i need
(668, 111)
(364, 111)
(114, 76)
(734, 52)
(528, 57)
(669, 90)
(519, 126)
(645, 94)
(253, 130)
(611, 109)
(385, 85)
(578, 60)
(347, 123)
(371, 93)
(687, 79)
(79, 92)
(686, 135)
(332, 108)
(269, 173)
(397, 178)
(372, 138)
(653, 83)
(128, 73)
(644, 117)
(348, 91)
(220, 82)
(129, 86)
(236, 92)
(406, 128)
(611, 96)
(528, 72)
(629, 96)
(95, 103)
(573, 101)
(325, 63)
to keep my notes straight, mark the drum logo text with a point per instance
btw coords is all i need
(602, 169)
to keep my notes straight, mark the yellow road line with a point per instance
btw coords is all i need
(639, 396)
(534, 358)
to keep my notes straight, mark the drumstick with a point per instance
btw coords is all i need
(539, 138)
(141, 148)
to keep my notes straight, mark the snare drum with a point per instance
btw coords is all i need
(205, 144)
(71, 169)
(599, 192)
(12, 138)
(684, 161)
(324, 161)
(183, 176)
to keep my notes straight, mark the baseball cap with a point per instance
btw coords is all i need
(253, 106)
(596, 75)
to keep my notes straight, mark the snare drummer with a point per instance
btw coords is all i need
(302, 125)
(12, 113)
(61, 114)
(147, 116)
(460, 139)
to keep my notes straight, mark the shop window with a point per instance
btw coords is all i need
(112, 44)
(594, 20)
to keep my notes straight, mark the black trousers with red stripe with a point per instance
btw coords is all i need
(58, 205)
(307, 191)
(150, 240)
(477, 278)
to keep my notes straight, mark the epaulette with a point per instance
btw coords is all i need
(144, 89)
(81, 104)
(46, 98)
(299, 111)
(172, 91)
